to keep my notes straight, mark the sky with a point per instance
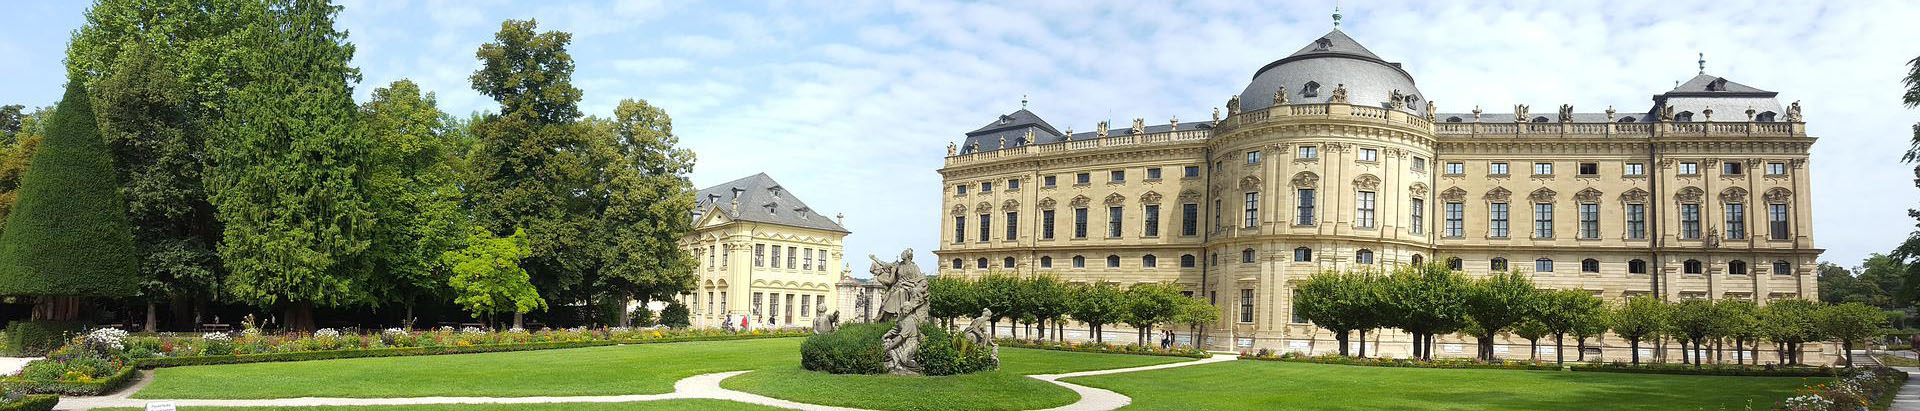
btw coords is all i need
(850, 104)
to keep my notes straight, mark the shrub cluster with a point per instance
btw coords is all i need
(858, 349)
(42, 402)
(168, 345)
(1856, 389)
(37, 338)
(1620, 367)
(1104, 348)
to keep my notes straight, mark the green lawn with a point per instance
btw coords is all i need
(613, 370)
(1005, 389)
(662, 405)
(1250, 385)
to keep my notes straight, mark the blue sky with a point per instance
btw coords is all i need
(875, 90)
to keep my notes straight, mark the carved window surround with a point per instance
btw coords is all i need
(1499, 175)
(1542, 176)
(1454, 175)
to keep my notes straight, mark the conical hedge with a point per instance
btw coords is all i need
(68, 234)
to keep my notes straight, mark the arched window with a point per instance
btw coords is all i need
(1691, 267)
(1302, 254)
(1149, 261)
(1544, 265)
(1764, 117)
(1782, 267)
(1737, 267)
(1079, 261)
(1113, 261)
(1417, 259)
(1498, 264)
(1637, 266)
(1627, 119)
(1590, 266)
(1363, 256)
(1311, 89)
(958, 265)
(1683, 116)
(1454, 119)
(1046, 262)
(1006, 263)
(981, 264)
(1540, 119)
(1246, 256)
(1186, 261)
(1455, 264)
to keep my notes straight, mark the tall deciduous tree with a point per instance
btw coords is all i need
(1790, 323)
(1048, 301)
(1742, 325)
(999, 292)
(1149, 304)
(1850, 323)
(1341, 302)
(17, 155)
(68, 237)
(1639, 318)
(1495, 303)
(289, 169)
(951, 297)
(487, 278)
(413, 193)
(649, 199)
(1532, 330)
(1424, 300)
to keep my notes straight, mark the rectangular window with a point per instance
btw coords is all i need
(1152, 218)
(986, 186)
(1363, 210)
(806, 306)
(823, 260)
(1080, 222)
(1218, 220)
(1589, 169)
(1013, 184)
(1189, 219)
(1419, 163)
(1589, 221)
(1117, 176)
(1543, 220)
(1456, 168)
(1732, 168)
(1542, 169)
(960, 189)
(807, 262)
(756, 303)
(1251, 217)
(1246, 305)
(793, 256)
(1690, 221)
(1309, 152)
(1191, 171)
(1689, 168)
(1369, 154)
(1736, 221)
(1153, 173)
(1114, 218)
(1498, 169)
(1637, 221)
(1046, 224)
(1253, 157)
(1419, 212)
(760, 250)
(1777, 221)
(1456, 220)
(1636, 169)
(1013, 226)
(1543, 265)
(959, 235)
(1049, 181)
(1776, 169)
(1083, 178)
(1497, 220)
(1305, 207)
(986, 227)
(776, 257)
(1297, 318)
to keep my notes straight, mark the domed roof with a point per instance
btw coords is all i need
(1333, 60)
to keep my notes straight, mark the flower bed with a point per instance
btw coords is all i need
(1464, 363)
(1856, 389)
(1103, 348)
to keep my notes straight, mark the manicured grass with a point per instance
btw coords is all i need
(661, 405)
(1251, 385)
(614, 370)
(1003, 389)
(1896, 361)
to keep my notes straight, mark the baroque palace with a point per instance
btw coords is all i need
(1332, 159)
(765, 259)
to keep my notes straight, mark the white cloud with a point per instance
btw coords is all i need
(652, 66)
(700, 45)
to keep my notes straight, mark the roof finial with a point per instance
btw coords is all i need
(1703, 63)
(1023, 102)
(1336, 15)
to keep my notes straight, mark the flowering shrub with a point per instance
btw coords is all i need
(1856, 389)
(168, 345)
(326, 333)
(1102, 347)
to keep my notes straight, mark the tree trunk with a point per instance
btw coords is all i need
(626, 315)
(299, 316)
(1846, 347)
(1341, 338)
(1559, 354)
(1580, 343)
(1634, 344)
(1483, 347)
(60, 308)
(519, 320)
(1533, 350)
(1363, 343)
(153, 317)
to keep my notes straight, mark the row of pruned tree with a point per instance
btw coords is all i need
(1428, 299)
(211, 151)
(1043, 303)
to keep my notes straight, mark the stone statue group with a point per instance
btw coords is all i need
(904, 302)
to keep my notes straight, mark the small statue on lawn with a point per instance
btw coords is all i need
(824, 323)
(980, 331)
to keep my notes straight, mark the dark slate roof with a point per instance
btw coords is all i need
(1331, 61)
(763, 200)
(1701, 83)
(1011, 128)
(1552, 115)
(1335, 42)
(1728, 100)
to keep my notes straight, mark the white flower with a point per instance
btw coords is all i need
(108, 337)
(470, 330)
(517, 330)
(446, 328)
(217, 337)
(327, 333)
(620, 329)
(250, 332)
(393, 332)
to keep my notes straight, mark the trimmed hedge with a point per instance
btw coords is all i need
(1676, 369)
(31, 403)
(37, 338)
(857, 349)
(412, 351)
(1104, 348)
(68, 234)
(102, 387)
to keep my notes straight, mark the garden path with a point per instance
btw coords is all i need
(10, 365)
(704, 386)
(1908, 399)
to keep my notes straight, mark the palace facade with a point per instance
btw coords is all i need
(764, 256)
(1331, 158)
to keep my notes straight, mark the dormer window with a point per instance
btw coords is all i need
(1766, 117)
(775, 190)
(1311, 89)
(1323, 44)
(1453, 119)
(1627, 119)
(771, 207)
(1718, 84)
(1006, 119)
(1683, 116)
(1540, 119)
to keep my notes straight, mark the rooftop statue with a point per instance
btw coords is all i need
(1280, 96)
(1233, 105)
(1339, 94)
(1139, 126)
(1566, 113)
(1101, 131)
(1519, 113)
(1793, 112)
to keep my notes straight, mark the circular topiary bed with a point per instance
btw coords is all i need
(857, 349)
